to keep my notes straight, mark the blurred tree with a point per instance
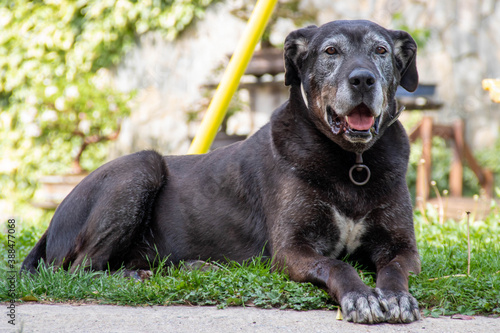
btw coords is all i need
(56, 98)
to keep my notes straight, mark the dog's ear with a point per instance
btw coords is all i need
(296, 47)
(406, 59)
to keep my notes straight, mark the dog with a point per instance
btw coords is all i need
(325, 179)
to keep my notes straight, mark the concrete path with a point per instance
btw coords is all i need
(33, 317)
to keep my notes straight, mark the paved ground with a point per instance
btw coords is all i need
(107, 318)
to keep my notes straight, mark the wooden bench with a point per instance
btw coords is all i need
(455, 205)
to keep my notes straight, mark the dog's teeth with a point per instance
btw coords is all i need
(376, 124)
(337, 126)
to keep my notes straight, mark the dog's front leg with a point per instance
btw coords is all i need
(359, 302)
(392, 288)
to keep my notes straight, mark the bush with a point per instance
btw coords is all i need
(55, 88)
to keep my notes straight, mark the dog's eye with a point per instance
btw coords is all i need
(381, 50)
(331, 50)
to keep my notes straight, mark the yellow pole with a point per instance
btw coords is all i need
(234, 71)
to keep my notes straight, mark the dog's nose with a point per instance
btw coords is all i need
(362, 79)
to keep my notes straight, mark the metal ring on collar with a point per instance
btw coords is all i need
(359, 167)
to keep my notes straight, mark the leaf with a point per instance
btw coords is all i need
(462, 317)
(339, 314)
(29, 298)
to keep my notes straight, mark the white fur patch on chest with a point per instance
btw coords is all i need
(350, 233)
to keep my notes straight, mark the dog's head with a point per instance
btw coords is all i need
(348, 73)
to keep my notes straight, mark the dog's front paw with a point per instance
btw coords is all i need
(362, 307)
(399, 307)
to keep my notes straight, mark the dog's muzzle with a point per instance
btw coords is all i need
(359, 125)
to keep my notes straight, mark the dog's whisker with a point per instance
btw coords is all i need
(304, 96)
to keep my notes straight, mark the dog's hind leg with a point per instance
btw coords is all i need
(107, 215)
(118, 221)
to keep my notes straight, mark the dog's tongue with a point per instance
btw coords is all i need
(360, 119)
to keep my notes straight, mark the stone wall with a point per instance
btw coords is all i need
(463, 49)
(169, 77)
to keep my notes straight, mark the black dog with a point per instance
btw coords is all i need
(325, 179)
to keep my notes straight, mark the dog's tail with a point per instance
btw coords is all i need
(36, 256)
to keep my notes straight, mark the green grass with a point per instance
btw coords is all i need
(443, 287)
(249, 284)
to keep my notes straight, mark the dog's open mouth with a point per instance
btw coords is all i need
(359, 122)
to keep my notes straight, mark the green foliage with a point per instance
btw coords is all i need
(56, 94)
(251, 283)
